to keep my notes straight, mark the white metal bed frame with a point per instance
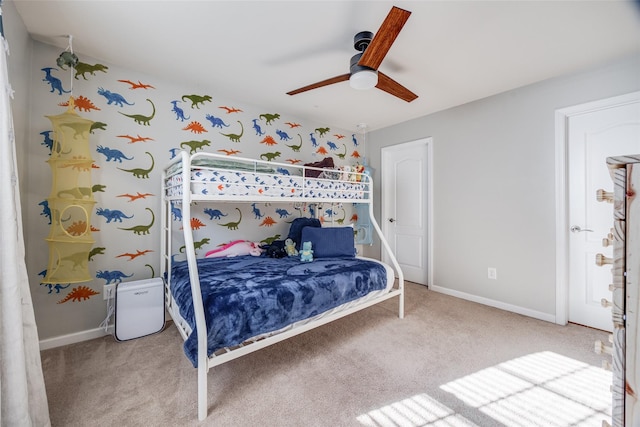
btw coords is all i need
(185, 199)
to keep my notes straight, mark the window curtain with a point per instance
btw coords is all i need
(23, 400)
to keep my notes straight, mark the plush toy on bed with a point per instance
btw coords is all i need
(235, 248)
(306, 254)
(290, 247)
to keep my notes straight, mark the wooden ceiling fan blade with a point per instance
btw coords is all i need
(394, 88)
(384, 38)
(327, 82)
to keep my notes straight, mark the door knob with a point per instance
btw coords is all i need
(604, 196)
(577, 229)
(392, 220)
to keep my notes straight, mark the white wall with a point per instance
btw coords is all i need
(494, 186)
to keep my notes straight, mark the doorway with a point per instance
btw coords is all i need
(406, 209)
(585, 136)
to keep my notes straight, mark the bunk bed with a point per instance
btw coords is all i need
(204, 296)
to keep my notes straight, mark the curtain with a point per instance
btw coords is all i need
(23, 400)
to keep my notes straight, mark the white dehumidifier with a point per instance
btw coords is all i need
(139, 308)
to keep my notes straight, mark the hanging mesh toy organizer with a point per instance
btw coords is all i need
(71, 199)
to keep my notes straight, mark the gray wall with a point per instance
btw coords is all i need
(494, 185)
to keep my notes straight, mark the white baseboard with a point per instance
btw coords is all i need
(497, 304)
(74, 338)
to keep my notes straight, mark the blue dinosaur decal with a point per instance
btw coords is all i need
(353, 138)
(179, 111)
(112, 154)
(283, 135)
(283, 212)
(113, 98)
(314, 142)
(173, 152)
(216, 121)
(332, 146)
(57, 287)
(257, 128)
(48, 141)
(112, 215)
(256, 211)
(176, 212)
(115, 276)
(46, 210)
(214, 213)
(283, 171)
(56, 83)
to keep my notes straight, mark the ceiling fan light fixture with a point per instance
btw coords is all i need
(363, 80)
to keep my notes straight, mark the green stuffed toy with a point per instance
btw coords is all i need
(306, 253)
(290, 247)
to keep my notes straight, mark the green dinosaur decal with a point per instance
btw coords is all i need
(322, 131)
(296, 148)
(341, 220)
(197, 245)
(97, 126)
(270, 156)
(153, 272)
(79, 259)
(139, 172)
(341, 156)
(234, 137)
(195, 145)
(78, 129)
(233, 225)
(96, 251)
(83, 68)
(98, 188)
(139, 118)
(75, 193)
(197, 99)
(141, 229)
(270, 117)
(270, 240)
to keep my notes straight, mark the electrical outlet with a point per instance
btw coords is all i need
(492, 273)
(109, 291)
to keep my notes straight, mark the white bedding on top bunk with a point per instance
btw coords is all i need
(222, 182)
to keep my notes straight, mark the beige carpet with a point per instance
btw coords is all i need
(449, 362)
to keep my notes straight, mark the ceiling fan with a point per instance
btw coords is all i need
(363, 72)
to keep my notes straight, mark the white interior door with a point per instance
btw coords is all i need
(405, 214)
(592, 137)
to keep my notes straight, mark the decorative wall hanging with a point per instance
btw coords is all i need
(71, 199)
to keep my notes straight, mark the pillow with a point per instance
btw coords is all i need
(330, 241)
(295, 231)
(327, 162)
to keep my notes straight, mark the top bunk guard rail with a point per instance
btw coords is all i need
(177, 188)
(218, 177)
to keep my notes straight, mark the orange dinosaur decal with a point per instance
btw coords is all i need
(81, 103)
(322, 150)
(138, 85)
(230, 152)
(292, 125)
(82, 167)
(79, 293)
(93, 229)
(135, 197)
(231, 109)
(196, 224)
(94, 166)
(195, 127)
(354, 217)
(133, 256)
(268, 222)
(268, 140)
(136, 138)
(293, 161)
(78, 228)
(339, 136)
(355, 154)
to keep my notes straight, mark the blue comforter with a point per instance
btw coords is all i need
(248, 296)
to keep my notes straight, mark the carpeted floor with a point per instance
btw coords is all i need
(449, 362)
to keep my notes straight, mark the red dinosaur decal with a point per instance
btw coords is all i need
(81, 103)
(136, 138)
(195, 127)
(268, 222)
(138, 85)
(355, 154)
(196, 224)
(135, 197)
(322, 150)
(354, 217)
(293, 161)
(133, 256)
(79, 293)
(339, 136)
(292, 125)
(231, 109)
(230, 152)
(268, 140)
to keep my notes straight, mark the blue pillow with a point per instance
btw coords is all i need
(330, 241)
(295, 231)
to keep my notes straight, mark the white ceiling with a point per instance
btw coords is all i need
(253, 52)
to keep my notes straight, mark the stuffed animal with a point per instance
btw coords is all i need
(290, 247)
(306, 254)
(235, 248)
(67, 58)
